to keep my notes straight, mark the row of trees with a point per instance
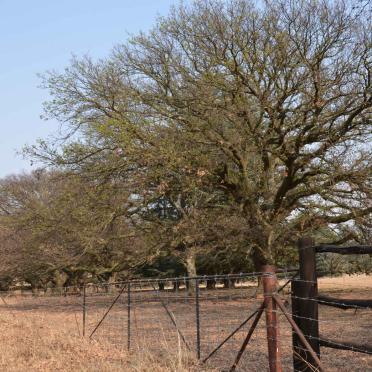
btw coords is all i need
(221, 135)
(59, 229)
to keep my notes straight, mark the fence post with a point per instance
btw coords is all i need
(197, 313)
(269, 282)
(304, 308)
(84, 308)
(128, 315)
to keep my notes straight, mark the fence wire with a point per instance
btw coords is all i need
(208, 317)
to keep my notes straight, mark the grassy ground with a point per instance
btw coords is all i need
(36, 342)
(45, 333)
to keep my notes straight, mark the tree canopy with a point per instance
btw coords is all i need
(228, 125)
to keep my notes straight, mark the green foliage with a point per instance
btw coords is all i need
(164, 266)
(335, 264)
(224, 261)
(222, 135)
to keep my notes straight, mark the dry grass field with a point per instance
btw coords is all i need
(45, 333)
(34, 341)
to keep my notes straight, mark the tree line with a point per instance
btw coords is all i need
(207, 145)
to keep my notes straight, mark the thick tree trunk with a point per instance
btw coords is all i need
(258, 261)
(34, 289)
(34, 285)
(229, 283)
(110, 288)
(5, 284)
(211, 284)
(191, 269)
(60, 279)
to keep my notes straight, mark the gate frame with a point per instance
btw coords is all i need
(305, 300)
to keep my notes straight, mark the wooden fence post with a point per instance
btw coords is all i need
(305, 307)
(269, 282)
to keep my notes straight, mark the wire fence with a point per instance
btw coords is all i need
(208, 317)
(202, 314)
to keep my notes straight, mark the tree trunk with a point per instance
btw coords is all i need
(110, 283)
(191, 269)
(229, 283)
(5, 284)
(60, 279)
(176, 286)
(258, 261)
(34, 285)
(34, 289)
(211, 284)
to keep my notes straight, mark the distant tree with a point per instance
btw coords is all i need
(61, 229)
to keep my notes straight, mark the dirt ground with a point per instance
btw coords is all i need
(46, 333)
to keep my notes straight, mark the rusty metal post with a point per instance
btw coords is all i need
(305, 308)
(269, 281)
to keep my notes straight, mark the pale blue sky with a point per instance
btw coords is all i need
(41, 35)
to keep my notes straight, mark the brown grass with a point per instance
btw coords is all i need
(33, 341)
(45, 333)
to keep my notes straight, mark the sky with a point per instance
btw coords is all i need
(41, 35)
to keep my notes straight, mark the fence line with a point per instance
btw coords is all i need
(218, 324)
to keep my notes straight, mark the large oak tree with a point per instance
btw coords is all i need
(256, 112)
